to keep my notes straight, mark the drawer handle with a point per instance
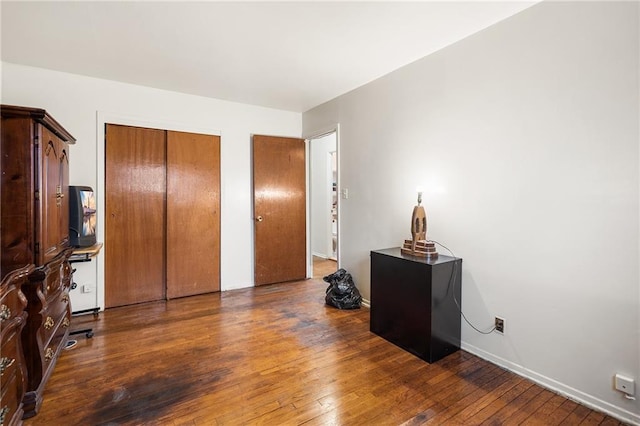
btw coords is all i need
(5, 312)
(3, 413)
(65, 322)
(4, 364)
(48, 324)
(48, 355)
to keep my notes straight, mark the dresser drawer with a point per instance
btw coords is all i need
(9, 356)
(54, 347)
(56, 308)
(12, 303)
(12, 368)
(55, 318)
(9, 402)
(66, 272)
(52, 282)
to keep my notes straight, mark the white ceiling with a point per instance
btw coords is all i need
(286, 55)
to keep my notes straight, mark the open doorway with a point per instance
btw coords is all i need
(323, 184)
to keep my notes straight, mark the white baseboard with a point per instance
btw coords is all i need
(560, 388)
(366, 303)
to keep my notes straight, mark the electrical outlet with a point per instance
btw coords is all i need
(499, 324)
(625, 384)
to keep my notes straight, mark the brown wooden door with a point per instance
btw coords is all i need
(193, 214)
(135, 215)
(279, 192)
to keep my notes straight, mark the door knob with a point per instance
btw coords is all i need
(259, 219)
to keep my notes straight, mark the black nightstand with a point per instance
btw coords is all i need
(412, 302)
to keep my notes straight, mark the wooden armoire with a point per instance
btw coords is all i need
(34, 230)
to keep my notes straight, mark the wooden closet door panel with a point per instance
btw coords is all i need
(18, 212)
(135, 215)
(49, 200)
(193, 214)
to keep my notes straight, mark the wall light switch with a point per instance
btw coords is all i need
(345, 193)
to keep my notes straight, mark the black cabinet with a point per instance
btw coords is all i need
(412, 302)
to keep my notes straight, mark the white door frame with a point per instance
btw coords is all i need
(335, 128)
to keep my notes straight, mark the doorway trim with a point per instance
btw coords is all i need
(309, 137)
(105, 117)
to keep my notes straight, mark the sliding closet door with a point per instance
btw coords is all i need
(193, 214)
(135, 215)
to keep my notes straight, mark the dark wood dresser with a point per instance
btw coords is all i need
(12, 367)
(35, 231)
(413, 302)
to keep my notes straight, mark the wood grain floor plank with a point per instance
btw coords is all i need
(594, 418)
(562, 412)
(276, 355)
(491, 382)
(608, 421)
(530, 408)
(542, 414)
(578, 415)
(507, 410)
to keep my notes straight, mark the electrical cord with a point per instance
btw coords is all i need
(453, 293)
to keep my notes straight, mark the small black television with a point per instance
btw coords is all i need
(82, 216)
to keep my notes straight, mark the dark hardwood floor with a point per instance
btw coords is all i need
(277, 355)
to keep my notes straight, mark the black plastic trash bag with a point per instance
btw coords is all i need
(342, 292)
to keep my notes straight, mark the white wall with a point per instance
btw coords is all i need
(525, 138)
(321, 196)
(77, 102)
